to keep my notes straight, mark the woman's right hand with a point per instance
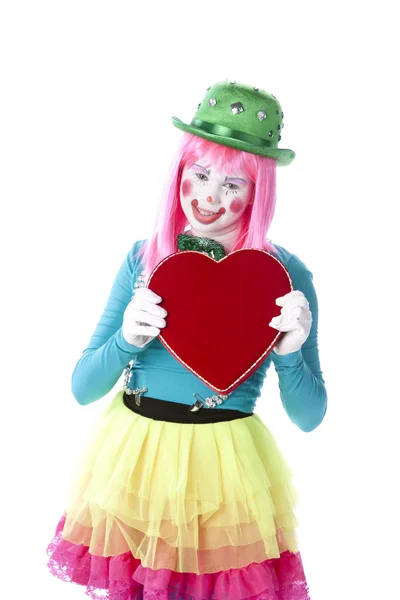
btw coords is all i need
(143, 319)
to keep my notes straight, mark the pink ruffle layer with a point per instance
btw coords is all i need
(124, 578)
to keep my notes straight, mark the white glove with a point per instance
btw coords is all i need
(143, 319)
(295, 319)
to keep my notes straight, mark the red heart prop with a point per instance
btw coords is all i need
(219, 312)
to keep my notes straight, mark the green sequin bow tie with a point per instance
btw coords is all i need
(200, 244)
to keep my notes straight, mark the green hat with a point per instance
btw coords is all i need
(242, 117)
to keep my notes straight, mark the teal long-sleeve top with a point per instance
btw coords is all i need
(301, 384)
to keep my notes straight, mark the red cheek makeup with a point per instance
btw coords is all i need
(236, 205)
(186, 187)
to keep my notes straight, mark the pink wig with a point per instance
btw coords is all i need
(171, 219)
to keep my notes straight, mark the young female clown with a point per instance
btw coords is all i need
(175, 498)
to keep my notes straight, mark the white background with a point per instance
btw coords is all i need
(87, 93)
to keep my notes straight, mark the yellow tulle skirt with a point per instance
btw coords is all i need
(197, 498)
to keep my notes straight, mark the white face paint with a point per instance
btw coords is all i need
(214, 201)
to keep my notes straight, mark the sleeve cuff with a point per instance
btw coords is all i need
(293, 359)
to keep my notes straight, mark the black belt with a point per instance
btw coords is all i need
(174, 412)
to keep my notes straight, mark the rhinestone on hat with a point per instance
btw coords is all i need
(237, 107)
(256, 89)
(261, 115)
(212, 102)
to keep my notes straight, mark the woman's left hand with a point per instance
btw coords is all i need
(295, 319)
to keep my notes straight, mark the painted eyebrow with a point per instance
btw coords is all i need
(235, 180)
(202, 169)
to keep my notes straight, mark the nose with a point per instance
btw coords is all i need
(213, 195)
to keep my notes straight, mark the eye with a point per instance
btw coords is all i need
(202, 177)
(231, 186)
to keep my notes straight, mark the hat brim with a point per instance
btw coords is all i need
(282, 156)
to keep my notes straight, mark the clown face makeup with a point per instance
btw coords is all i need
(214, 201)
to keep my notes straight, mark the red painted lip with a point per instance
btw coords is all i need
(204, 219)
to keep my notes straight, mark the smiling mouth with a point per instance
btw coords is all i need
(205, 216)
